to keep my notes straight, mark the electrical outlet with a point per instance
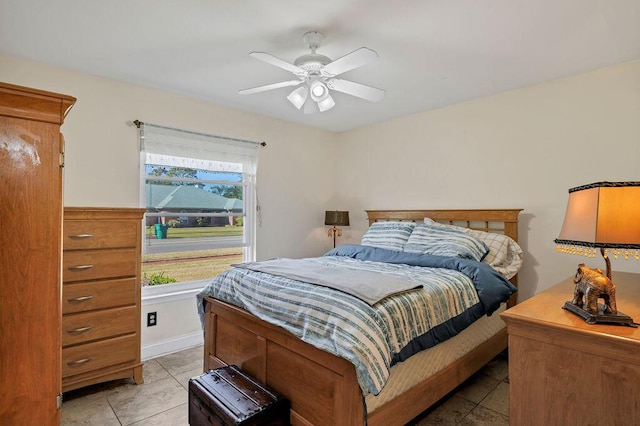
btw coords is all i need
(152, 319)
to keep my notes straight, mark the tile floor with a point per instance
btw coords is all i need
(483, 400)
(162, 400)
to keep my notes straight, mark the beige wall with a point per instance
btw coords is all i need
(102, 151)
(520, 149)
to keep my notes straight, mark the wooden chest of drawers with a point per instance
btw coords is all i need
(100, 296)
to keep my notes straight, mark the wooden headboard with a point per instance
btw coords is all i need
(501, 221)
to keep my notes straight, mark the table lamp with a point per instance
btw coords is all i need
(604, 216)
(336, 218)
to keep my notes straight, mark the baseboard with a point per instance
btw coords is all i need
(175, 344)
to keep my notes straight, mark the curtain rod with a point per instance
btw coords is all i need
(138, 123)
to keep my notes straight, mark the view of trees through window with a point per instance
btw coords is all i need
(194, 223)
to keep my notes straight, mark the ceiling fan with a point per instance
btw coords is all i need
(316, 76)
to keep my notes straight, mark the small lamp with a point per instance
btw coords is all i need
(336, 218)
(605, 216)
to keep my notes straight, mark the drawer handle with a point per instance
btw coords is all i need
(80, 267)
(80, 236)
(80, 299)
(79, 362)
(80, 330)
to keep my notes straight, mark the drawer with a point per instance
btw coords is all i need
(96, 264)
(79, 297)
(80, 235)
(88, 326)
(96, 355)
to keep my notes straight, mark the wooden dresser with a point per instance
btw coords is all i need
(101, 295)
(563, 371)
(31, 161)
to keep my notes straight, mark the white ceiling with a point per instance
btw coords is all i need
(432, 53)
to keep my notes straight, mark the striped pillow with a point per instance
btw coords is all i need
(445, 241)
(388, 235)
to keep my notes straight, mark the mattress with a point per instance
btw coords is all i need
(422, 365)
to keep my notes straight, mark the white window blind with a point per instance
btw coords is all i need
(217, 152)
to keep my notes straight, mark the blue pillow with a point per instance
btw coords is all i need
(445, 241)
(391, 235)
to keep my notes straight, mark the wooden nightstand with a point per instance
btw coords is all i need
(563, 371)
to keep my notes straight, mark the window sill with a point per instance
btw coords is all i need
(171, 292)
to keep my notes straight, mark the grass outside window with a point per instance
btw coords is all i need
(167, 268)
(198, 232)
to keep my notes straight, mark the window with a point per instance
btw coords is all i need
(199, 195)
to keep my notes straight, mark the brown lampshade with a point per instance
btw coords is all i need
(602, 215)
(336, 218)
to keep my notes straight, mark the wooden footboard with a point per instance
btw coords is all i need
(322, 388)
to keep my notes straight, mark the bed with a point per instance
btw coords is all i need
(326, 389)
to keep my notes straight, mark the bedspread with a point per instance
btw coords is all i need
(374, 337)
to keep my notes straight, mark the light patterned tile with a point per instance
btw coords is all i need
(178, 416)
(449, 413)
(481, 416)
(152, 371)
(183, 378)
(477, 387)
(183, 361)
(498, 399)
(497, 368)
(92, 409)
(132, 403)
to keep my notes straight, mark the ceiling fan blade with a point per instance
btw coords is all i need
(270, 59)
(355, 59)
(356, 89)
(310, 106)
(269, 87)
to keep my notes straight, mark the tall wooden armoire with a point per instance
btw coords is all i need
(31, 161)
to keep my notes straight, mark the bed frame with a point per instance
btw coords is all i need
(322, 387)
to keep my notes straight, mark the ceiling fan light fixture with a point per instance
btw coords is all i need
(326, 104)
(319, 91)
(298, 96)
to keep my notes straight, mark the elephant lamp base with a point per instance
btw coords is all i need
(601, 317)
